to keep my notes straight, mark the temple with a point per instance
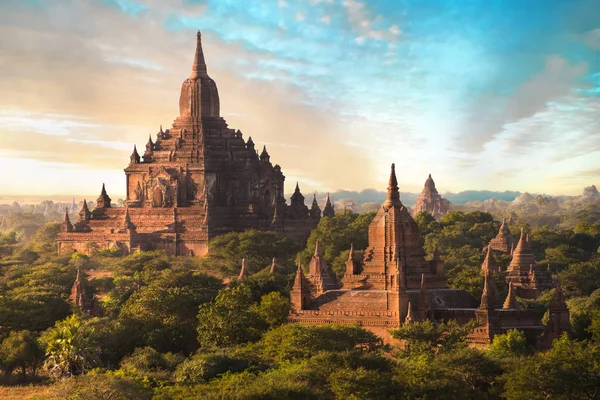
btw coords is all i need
(523, 272)
(504, 241)
(431, 201)
(394, 284)
(194, 181)
(376, 291)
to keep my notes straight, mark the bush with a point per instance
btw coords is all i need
(204, 367)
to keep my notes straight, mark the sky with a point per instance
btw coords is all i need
(482, 94)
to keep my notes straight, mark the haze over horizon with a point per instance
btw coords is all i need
(482, 96)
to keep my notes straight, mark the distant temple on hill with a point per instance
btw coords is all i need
(194, 181)
(394, 284)
(431, 201)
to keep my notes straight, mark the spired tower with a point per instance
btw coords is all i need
(195, 181)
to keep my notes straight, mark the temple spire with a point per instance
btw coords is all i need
(103, 200)
(511, 298)
(135, 156)
(317, 249)
(409, 314)
(67, 226)
(328, 211)
(489, 297)
(489, 263)
(393, 194)
(85, 214)
(351, 252)
(199, 66)
(264, 156)
(127, 224)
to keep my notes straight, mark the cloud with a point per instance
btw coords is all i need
(326, 19)
(362, 23)
(592, 38)
(484, 124)
(299, 16)
(77, 103)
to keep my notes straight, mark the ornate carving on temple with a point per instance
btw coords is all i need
(503, 241)
(431, 201)
(328, 211)
(139, 192)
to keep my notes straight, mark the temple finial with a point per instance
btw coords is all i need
(199, 66)
(393, 194)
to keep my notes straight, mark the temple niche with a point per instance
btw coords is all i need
(195, 180)
(431, 201)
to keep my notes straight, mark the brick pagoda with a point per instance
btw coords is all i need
(194, 181)
(394, 284)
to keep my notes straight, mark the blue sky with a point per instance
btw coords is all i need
(500, 95)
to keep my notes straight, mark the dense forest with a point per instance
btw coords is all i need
(186, 328)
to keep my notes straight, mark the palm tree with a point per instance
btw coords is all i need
(70, 348)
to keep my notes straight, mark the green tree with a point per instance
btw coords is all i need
(511, 343)
(273, 309)
(164, 312)
(336, 234)
(425, 336)
(229, 320)
(569, 370)
(20, 350)
(257, 247)
(145, 363)
(70, 348)
(293, 341)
